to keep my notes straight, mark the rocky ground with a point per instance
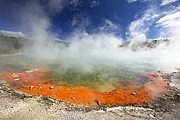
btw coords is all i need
(19, 106)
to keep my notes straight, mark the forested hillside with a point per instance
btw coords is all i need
(10, 45)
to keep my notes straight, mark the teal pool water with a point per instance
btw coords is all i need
(103, 77)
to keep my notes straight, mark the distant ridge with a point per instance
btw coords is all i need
(11, 33)
(149, 44)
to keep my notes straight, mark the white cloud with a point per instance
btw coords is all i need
(139, 28)
(11, 33)
(108, 26)
(56, 5)
(80, 22)
(75, 3)
(169, 20)
(166, 2)
(169, 24)
(131, 1)
(94, 3)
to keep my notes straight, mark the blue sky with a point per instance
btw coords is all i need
(98, 15)
(128, 19)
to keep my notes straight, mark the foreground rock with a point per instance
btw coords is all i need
(36, 82)
(16, 106)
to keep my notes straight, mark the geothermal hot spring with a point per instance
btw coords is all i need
(88, 72)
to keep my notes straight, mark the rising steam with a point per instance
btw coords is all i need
(99, 51)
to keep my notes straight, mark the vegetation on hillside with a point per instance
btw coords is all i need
(10, 45)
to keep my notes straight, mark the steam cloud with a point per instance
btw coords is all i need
(101, 48)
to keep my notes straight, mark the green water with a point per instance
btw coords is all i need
(100, 77)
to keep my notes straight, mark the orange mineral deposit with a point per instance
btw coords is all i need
(35, 82)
